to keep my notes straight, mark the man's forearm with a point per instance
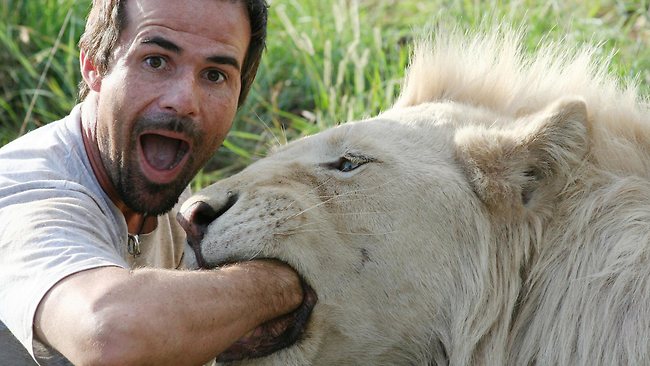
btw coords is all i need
(163, 316)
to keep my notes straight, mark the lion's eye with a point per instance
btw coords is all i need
(346, 165)
(349, 162)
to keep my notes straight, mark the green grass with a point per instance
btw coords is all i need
(327, 62)
(38, 64)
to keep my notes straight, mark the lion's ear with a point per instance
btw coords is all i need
(526, 162)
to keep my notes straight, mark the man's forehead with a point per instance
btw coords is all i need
(222, 22)
(206, 17)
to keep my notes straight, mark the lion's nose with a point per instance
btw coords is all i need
(196, 218)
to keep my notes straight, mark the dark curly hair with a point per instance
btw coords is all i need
(107, 18)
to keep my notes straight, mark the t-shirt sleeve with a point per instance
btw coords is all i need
(47, 234)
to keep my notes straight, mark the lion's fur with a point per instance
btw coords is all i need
(492, 71)
(501, 216)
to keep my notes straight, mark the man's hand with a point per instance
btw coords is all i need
(111, 315)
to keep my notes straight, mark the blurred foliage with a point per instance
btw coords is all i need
(326, 62)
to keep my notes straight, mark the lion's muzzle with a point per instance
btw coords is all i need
(196, 218)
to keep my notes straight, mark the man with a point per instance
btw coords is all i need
(85, 202)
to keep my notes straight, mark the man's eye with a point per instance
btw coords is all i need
(155, 62)
(214, 76)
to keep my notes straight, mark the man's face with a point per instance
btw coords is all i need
(170, 96)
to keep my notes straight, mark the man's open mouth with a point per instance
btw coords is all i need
(163, 152)
(274, 335)
(163, 155)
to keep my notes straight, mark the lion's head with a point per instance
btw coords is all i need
(428, 233)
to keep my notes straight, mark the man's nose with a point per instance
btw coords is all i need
(181, 95)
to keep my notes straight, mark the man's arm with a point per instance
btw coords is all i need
(111, 315)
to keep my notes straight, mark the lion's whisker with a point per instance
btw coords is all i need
(344, 195)
(311, 190)
(255, 255)
(293, 232)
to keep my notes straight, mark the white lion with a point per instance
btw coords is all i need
(498, 214)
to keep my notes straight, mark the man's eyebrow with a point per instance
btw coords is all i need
(168, 45)
(225, 60)
(162, 42)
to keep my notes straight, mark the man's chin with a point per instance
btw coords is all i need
(153, 200)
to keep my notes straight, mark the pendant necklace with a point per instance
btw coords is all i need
(133, 243)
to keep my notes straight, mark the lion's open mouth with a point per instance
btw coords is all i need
(274, 335)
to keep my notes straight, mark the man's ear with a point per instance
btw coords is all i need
(89, 72)
(527, 162)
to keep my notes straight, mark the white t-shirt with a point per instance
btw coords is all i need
(55, 220)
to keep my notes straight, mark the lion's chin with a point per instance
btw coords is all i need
(273, 335)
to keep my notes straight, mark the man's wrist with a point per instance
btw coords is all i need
(280, 288)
